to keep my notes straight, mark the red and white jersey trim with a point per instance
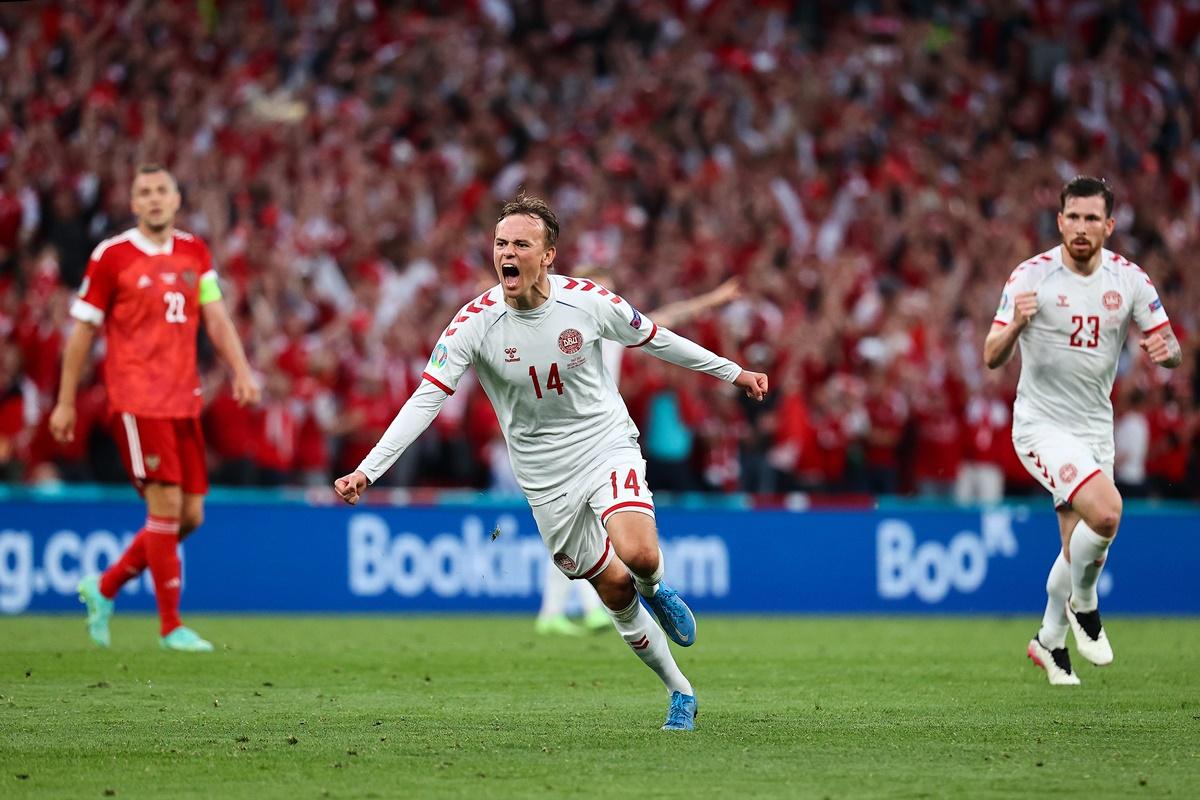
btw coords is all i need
(84, 311)
(109, 242)
(136, 463)
(437, 383)
(653, 331)
(629, 505)
(1157, 327)
(599, 565)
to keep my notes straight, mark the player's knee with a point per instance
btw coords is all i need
(618, 597)
(1107, 522)
(643, 559)
(615, 587)
(1108, 518)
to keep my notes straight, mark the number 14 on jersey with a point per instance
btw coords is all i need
(553, 381)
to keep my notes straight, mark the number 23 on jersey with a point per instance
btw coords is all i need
(1087, 331)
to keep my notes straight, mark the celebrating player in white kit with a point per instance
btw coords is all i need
(535, 342)
(1070, 309)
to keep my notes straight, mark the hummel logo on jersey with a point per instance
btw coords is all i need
(169, 278)
(1062, 301)
(144, 281)
(510, 354)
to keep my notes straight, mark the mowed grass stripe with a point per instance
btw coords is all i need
(480, 706)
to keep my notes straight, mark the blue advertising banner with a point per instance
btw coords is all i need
(259, 556)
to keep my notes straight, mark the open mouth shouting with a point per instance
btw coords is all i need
(510, 276)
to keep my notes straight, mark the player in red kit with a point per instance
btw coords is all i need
(149, 287)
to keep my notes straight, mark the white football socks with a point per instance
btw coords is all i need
(1087, 547)
(649, 643)
(647, 587)
(1053, 633)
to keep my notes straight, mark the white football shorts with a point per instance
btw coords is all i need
(572, 524)
(1061, 462)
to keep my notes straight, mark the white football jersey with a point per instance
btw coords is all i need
(1070, 348)
(557, 404)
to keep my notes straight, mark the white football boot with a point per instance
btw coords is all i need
(1090, 637)
(1056, 663)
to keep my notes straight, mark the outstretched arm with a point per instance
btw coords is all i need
(680, 312)
(410, 422)
(676, 349)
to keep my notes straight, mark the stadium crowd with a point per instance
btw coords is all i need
(870, 171)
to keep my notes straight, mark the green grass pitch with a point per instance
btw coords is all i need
(481, 707)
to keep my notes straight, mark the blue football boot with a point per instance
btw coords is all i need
(673, 615)
(99, 609)
(681, 714)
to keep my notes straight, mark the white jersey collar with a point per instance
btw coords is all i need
(143, 243)
(540, 311)
(1105, 257)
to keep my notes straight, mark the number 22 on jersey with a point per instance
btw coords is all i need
(175, 304)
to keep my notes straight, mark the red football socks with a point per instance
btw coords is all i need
(162, 555)
(126, 568)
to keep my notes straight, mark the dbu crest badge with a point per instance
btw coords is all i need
(570, 341)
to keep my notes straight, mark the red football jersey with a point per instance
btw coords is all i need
(148, 299)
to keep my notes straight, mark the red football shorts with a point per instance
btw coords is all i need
(164, 450)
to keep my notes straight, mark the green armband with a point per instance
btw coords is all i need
(210, 288)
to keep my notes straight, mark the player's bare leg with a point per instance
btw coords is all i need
(191, 514)
(635, 540)
(637, 627)
(1098, 506)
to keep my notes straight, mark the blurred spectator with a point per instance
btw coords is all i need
(870, 172)
(668, 439)
(938, 456)
(887, 414)
(18, 412)
(1171, 433)
(988, 421)
(1131, 440)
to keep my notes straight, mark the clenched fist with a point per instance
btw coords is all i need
(350, 487)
